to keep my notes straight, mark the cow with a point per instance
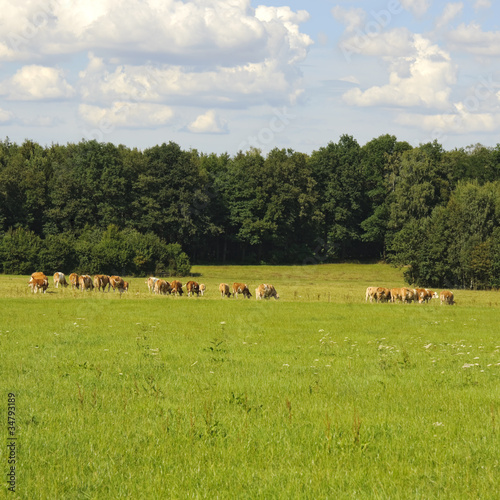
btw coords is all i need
(266, 291)
(446, 297)
(85, 282)
(161, 287)
(125, 287)
(101, 281)
(192, 287)
(37, 283)
(382, 294)
(241, 288)
(371, 293)
(423, 295)
(401, 295)
(151, 283)
(176, 287)
(60, 279)
(202, 289)
(224, 290)
(116, 282)
(73, 279)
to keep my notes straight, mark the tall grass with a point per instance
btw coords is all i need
(137, 396)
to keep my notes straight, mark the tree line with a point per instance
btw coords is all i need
(98, 206)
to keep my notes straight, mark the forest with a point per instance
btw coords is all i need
(98, 207)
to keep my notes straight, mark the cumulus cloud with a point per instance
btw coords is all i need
(208, 123)
(104, 82)
(202, 31)
(472, 39)
(126, 115)
(482, 4)
(422, 78)
(353, 19)
(35, 82)
(457, 123)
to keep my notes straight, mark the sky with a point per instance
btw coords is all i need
(221, 76)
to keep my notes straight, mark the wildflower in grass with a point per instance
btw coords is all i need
(437, 424)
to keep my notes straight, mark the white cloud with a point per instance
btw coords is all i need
(126, 115)
(101, 82)
(202, 31)
(450, 12)
(35, 82)
(396, 42)
(422, 78)
(472, 39)
(208, 123)
(482, 4)
(417, 7)
(353, 19)
(457, 123)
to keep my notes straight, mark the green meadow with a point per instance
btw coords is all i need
(317, 395)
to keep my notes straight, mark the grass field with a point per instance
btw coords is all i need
(317, 395)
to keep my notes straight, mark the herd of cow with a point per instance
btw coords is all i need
(39, 283)
(407, 295)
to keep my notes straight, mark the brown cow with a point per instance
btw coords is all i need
(399, 294)
(161, 287)
(192, 287)
(266, 291)
(73, 279)
(37, 284)
(423, 295)
(446, 297)
(101, 281)
(224, 290)
(116, 283)
(176, 287)
(241, 288)
(85, 282)
(383, 294)
(60, 279)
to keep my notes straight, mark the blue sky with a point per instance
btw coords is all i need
(227, 75)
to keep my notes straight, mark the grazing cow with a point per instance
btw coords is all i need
(161, 287)
(125, 287)
(446, 297)
(101, 281)
(266, 291)
(202, 289)
(423, 295)
(73, 279)
(37, 284)
(192, 287)
(60, 279)
(176, 287)
(85, 282)
(378, 294)
(382, 294)
(371, 293)
(224, 290)
(151, 283)
(400, 294)
(116, 283)
(241, 288)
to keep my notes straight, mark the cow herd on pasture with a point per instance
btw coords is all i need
(407, 295)
(39, 283)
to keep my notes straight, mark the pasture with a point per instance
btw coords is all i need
(317, 395)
